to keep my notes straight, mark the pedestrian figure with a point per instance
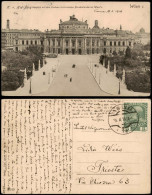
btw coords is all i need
(71, 79)
(65, 75)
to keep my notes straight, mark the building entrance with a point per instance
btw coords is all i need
(67, 51)
(80, 52)
(73, 51)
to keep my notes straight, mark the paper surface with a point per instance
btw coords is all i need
(75, 146)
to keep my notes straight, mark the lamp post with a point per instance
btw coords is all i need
(124, 76)
(114, 71)
(119, 87)
(25, 77)
(30, 91)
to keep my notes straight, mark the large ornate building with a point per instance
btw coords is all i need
(72, 37)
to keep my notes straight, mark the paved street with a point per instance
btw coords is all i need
(82, 84)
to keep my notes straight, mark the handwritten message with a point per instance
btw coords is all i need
(67, 146)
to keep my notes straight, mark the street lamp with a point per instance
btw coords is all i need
(30, 91)
(119, 87)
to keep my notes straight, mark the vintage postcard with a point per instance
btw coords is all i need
(80, 146)
(70, 48)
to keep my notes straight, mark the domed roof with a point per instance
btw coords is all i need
(73, 21)
(142, 30)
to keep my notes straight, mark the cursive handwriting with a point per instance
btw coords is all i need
(102, 166)
(91, 128)
(87, 148)
(112, 148)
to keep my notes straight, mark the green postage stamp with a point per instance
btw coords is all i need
(128, 117)
(141, 110)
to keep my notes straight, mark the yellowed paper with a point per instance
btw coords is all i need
(52, 146)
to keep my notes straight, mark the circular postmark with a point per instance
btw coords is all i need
(123, 119)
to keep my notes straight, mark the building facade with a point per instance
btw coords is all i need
(72, 37)
(75, 37)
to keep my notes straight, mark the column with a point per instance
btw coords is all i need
(63, 45)
(33, 69)
(85, 46)
(39, 66)
(108, 66)
(51, 46)
(123, 76)
(55, 46)
(115, 70)
(70, 47)
(45, 45)
(100, 46)
(91, 45)
(76, 46)
(25, 76)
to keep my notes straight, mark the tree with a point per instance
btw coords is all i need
(128, 52)
(121, 53)
(114, 53)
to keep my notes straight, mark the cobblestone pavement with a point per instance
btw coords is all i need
(82, 82)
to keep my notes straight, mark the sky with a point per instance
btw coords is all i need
(47, 14)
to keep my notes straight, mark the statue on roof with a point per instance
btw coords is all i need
(73, 18)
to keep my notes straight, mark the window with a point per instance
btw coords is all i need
(67, 43)
(129, 43)
(119, 43)
(53, 42)
(35, 42)
(97, 50)
(88, 43)
(16, 42)
(31, 42)
(73, 43)
(110, 50)
(110, 43)
(22, 42)
(92, 43)
(114, 43)
(53, 50)
(104, 43)
(93, 51)
(59, 43)
(41, 42)
(123, 43)
(49, 42)
(26, 42)
(79, 43)
(97, 43)
(87, 51)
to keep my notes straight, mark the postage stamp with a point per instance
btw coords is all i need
(128, 117)
(141, 109)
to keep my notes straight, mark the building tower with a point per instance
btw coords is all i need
(8, 24)
(120, 27)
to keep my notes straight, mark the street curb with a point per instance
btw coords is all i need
(98, 83)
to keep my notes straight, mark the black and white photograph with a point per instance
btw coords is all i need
(61, 48)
